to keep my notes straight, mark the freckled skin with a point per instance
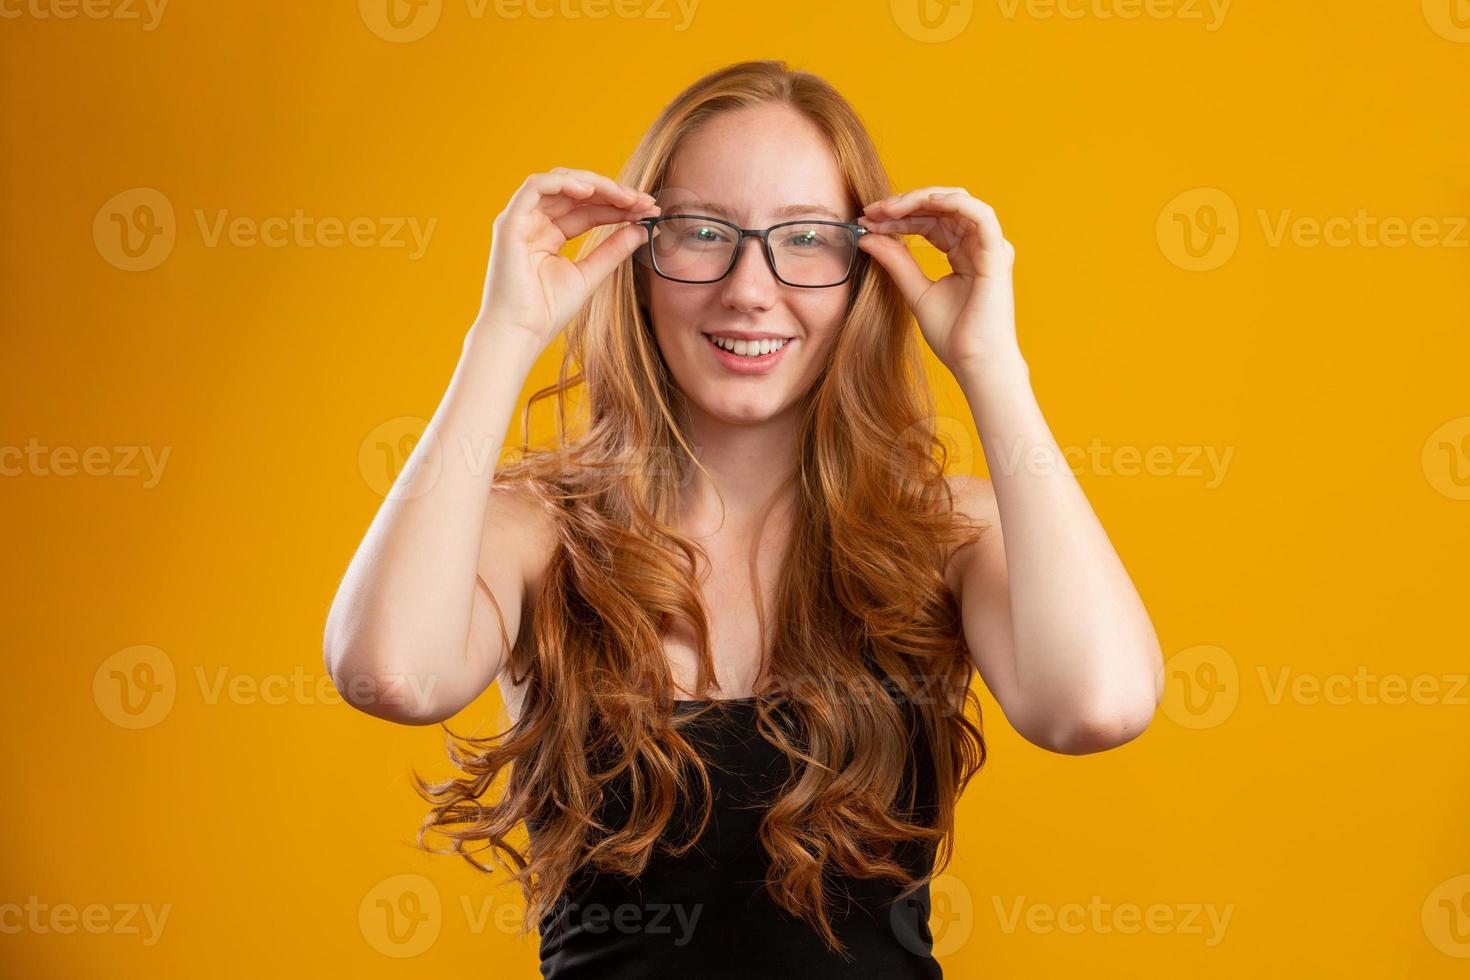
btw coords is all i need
(752, 161)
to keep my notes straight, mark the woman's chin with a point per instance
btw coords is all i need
(741, 411)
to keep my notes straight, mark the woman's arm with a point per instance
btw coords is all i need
(411, 637)
(397, 641)
(1068, 650)
(1054, 624)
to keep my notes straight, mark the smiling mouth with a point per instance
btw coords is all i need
(751, 350)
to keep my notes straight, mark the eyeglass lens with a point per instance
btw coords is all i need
(699, 250)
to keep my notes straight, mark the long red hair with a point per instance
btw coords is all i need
(866, 626)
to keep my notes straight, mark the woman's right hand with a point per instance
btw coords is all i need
(530, 286)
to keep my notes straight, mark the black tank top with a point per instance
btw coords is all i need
(707, 914)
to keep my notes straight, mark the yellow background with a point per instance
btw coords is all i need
(269, 820)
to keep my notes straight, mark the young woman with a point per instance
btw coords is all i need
(753, 503)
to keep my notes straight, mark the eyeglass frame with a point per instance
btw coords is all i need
(859, 258)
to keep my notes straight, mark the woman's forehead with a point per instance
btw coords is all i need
(742, 169)
(718, 208)
(744, 193)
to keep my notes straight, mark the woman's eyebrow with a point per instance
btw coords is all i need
(790, 210)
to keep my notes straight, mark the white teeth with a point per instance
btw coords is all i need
(748, 348)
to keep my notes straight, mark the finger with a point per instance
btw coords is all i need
(943, 231)
(894, 256)
(958, 217)
(590, 216)
(940, 231)
(555, 194)
(990, 237)
(596, 265)
(542, 192)
(615, 192)
(890, 204)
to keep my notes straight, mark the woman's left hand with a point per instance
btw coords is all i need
(969, 316)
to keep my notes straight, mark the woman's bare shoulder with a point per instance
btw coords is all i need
(519, 522)
(974, 496)
(974, 500)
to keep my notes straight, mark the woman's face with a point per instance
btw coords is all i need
(753, 167)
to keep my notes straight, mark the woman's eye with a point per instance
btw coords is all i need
(805, 238)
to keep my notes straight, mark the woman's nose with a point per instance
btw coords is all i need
(751, 282)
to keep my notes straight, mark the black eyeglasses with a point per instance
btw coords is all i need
(696, 248)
